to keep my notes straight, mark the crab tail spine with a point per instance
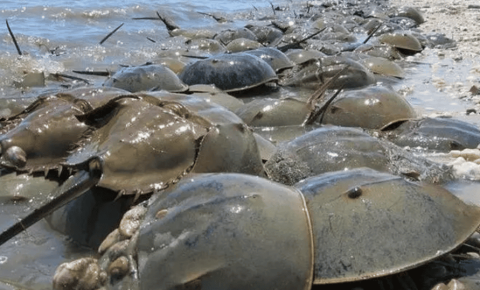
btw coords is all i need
(72, 188)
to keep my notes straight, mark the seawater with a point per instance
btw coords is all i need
(60, 36)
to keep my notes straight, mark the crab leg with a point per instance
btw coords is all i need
(72, 188)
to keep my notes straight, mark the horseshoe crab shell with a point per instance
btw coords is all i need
(236, 232)
(206, 45)
(229, 146)
(226, 36)
(370, 108)
(365, 222)
(333, 148)
(266, 35)
(403, 40)
(385, 51)
(299, 56)
(229, 72)
(267, 112)
(142, 147)
(440, 134)
(39, 138)
(383, 66)
(96, 96)
(242, 44)
(145, 78)
(318, 71)
(409, 12)
(147, 143)
(216, 96)
(274, 57)
(172, 63)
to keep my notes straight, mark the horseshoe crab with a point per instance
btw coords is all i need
(439, 134)
(242, 44)
(410, 12)
(384, 51)
(404, 41)
(222, 216)
(140, 144)
(174, 64)
(274, 57)
(370, 108)
(383, 66)
(317, 71)
(333, 148)
(39, 138)
(362, 215)
(205, 226)
(266, 35)
(210, 46)
(145, 78)
(300, 56)
(226, 36)
(267, 112)
(229, 72)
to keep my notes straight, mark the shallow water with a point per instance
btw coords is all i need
(59, 37)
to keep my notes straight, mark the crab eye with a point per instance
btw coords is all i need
(15, 156)
(354, 192)
(83, 105)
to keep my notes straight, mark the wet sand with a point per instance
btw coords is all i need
(454, 70)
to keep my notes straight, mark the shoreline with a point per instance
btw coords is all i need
(457, 20)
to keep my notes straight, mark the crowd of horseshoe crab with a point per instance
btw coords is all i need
(261, 157)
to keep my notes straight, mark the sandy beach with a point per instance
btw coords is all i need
(457, 20)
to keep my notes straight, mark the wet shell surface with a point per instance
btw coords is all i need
(40, 137)
(229, 145)
(300, 56)
(383, 66)
(242, 44)
(209, 221)
(137, 141)
(362, 215)
(401, 39)
(267, 112)
(370, 108)
(274, 57)
(410, 12)
(146, 78)
(206, 45)
(332, 148)
(439, 134)
(229, 72)
(266, 35)
(226, 36)
(318, 71)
